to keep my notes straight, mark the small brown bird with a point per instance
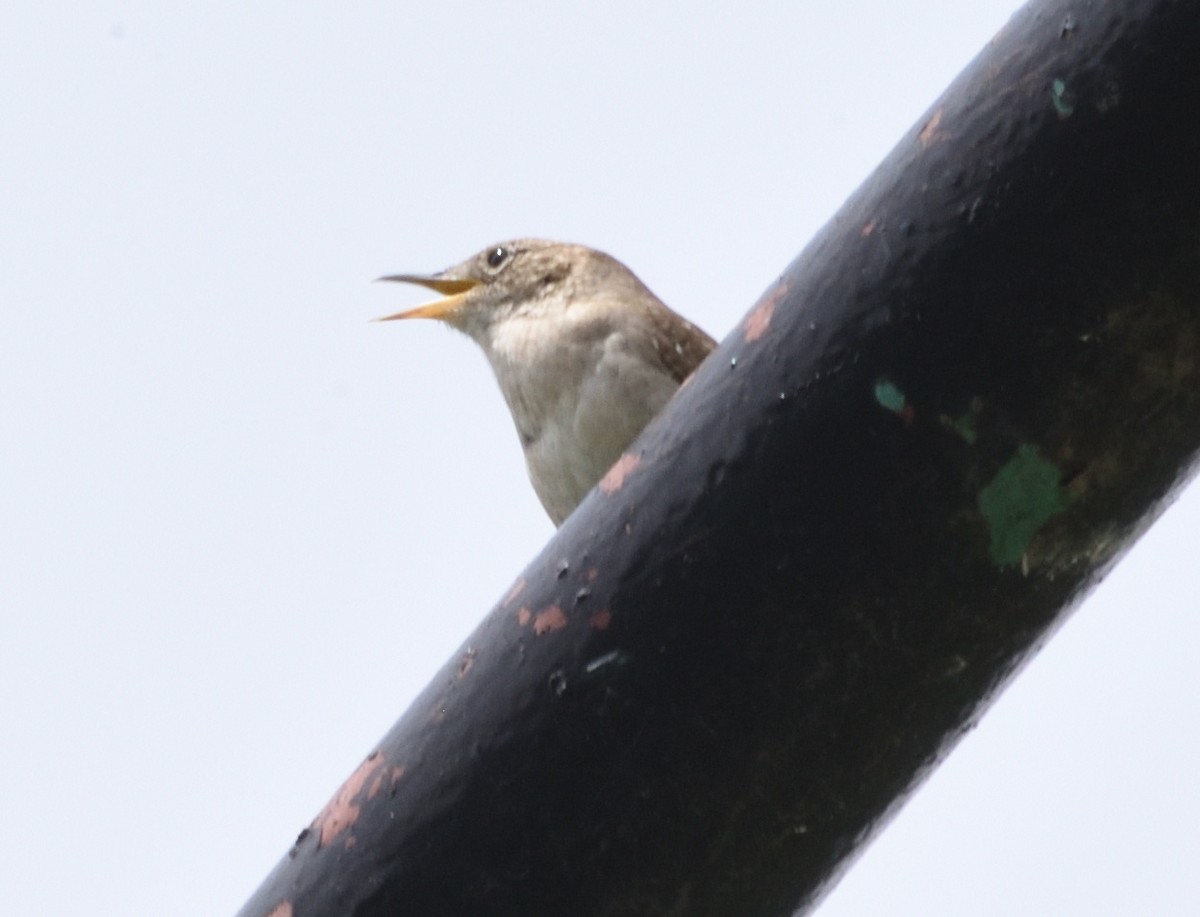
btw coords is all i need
(584, 353)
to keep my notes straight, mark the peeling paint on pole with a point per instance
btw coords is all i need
(1023, 496)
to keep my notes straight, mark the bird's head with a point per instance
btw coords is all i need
(522, 277)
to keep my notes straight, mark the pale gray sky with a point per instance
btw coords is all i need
(242, 526)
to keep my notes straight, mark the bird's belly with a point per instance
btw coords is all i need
(576, 446)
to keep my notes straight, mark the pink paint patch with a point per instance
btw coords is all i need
(592, 574)
(376, 786)
(553, 618)
(343, 810)
(283, 909)
(929, 132)
(868, 228)
(614, 478)
(759, 318)
(600, 620)
(517, 588)
(524, 615)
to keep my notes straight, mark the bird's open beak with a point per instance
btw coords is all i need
(453, 292)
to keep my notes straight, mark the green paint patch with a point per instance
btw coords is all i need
(1018, 501)
(889, 396)
(964, 426)
(1062, 99)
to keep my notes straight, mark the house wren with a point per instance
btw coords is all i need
(584, 353)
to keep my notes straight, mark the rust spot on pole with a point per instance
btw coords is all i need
(343, 810)
(517, 588)
(614, 478)
(929, 132)
(759, 318)
(551, 619)
(376, 786)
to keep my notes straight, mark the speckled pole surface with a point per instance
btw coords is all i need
(937, 430)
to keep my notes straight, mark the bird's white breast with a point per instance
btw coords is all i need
(578, 400)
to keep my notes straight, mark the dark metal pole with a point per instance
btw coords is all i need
(872, 504)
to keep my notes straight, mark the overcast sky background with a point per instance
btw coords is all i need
(242, 527)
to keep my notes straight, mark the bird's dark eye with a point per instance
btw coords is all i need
(497, 256)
